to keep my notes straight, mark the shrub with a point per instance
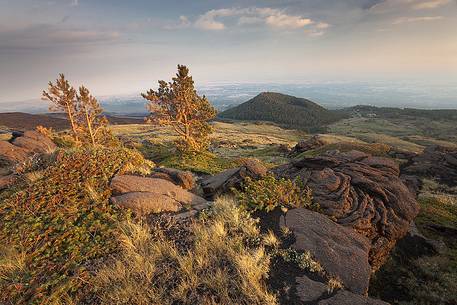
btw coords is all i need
(225, 263)
(268, 193)
(61, 222)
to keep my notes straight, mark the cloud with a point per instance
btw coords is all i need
(181, 24)
(75, 3)
(430, 4)
(402, 20)
(216, 20)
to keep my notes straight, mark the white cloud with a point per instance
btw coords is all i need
(402, 20)
(220, 19)
(181, 24)
(431, 4)
(287, 21)
(75, 3)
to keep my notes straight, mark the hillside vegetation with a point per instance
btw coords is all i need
(283, 109)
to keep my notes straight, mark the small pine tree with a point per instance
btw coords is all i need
(91, 120)
(178, 105)
(63, 98)
(88, 125)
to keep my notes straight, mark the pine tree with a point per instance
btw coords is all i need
(63, 97)
(91, 120)
(178, 105)
(84, 113)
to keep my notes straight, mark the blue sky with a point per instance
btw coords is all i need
(117, 47)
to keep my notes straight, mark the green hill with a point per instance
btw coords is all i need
(284, 110)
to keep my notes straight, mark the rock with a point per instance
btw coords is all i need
(415, 245)
(184, 179)
(413, 183)
(359, 191)
(343, 297)
(151, 195)
(7, 181)
(437, 162)
(223, 182)
(308, 290)
(314, 142)
(11, 154)
(36, 142)
(146, 203)
(341, 251)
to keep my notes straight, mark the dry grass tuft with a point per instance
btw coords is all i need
(226, 263)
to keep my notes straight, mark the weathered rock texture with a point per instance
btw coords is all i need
(314, 142)
(21, 148)
(362, 192)
(151, 195)
(223, 182)
(437, 162)
(184, 179)
(342, 252)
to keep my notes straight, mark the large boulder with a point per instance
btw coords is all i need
(314, 142)
(36, 142)
(184, 179)
(361, 192)
(342, 252)
(435, 162)
(151, 195)
(11, 154)
(216, 185)
(312, 292)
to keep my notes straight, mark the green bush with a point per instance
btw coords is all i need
(60, 223)
(268, 193)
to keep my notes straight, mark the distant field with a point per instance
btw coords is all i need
(411, 134)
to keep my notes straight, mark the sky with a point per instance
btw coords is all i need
(124, 46)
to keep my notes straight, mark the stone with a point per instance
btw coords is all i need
(7, 181)
(343, 297)
(221, 183)
(11, 154)
(414, 244)
(361, 192)
(146, 203)
(308, 290)
(436, 162)
(151, 195)
(314, 142)
(35, 142)
(184, 179)
(341, 251)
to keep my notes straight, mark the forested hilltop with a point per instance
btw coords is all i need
(283, 109)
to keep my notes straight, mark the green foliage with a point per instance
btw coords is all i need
(283, 109)
(61, 222)
(267, 193)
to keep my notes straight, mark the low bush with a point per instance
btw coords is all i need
(226, 263)
(60, 223)
(268, 193)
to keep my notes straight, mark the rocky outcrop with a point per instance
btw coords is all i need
(313, 292)
(361, 192)
(437, 162)
(151, 195)
(232, 178)
(314, 142)
(16, 152)
(184, 179)
(342, 252)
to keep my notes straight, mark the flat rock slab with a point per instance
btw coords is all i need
(33, 141)
(341, 251)
(232, 178)
(343, 297)
(11, 154)
(147, 203)
(151, 195)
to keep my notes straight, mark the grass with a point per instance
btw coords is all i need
(225, 263)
